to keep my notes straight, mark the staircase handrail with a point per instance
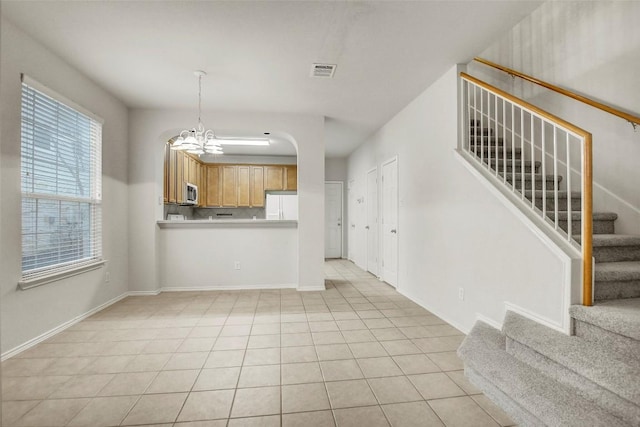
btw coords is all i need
(634, 120)
(587, 181)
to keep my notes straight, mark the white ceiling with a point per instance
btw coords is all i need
(259, 53)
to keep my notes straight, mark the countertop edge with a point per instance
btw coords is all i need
(221, 223)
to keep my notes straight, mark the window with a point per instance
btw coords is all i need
(61, 178)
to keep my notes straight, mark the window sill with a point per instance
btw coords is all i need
(74, 271)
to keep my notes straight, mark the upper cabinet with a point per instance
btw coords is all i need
(212, 186)
(256, 186)
(229, 186)
(278, 177)
(274, 178)
(224, 185)
(180, 168)
(291, 178)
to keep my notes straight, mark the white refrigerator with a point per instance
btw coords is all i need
(282, 206)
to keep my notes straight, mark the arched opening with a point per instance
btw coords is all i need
(255, 178)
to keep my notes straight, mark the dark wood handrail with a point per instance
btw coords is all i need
(634, 120)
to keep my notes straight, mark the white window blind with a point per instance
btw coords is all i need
(61, 172)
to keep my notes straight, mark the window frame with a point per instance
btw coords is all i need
(40, 275)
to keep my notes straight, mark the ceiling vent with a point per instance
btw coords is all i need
(323, 70)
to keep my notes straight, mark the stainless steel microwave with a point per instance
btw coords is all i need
(190, 194)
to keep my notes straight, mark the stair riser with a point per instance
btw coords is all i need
(616, 253)
(518, 169)
(486, 141)
(616, 290)
(480, 131)
(496, 154)
(599, 227)
(620, 343)
(586, 388)
(527, 184)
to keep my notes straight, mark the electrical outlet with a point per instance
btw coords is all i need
(236, 265)
(461, 294)
(107, 277)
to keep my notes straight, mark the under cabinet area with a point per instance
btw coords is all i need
(222, 185)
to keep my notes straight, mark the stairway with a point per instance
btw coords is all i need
(617, 256)
(542, 377)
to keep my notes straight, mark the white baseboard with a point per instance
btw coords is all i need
(488, 321)
(312, 288)
(40, 338)
(142, 293)
(535, 317)
(226, 288)
(433, 311)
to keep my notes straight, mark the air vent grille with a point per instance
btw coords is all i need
(325, 71)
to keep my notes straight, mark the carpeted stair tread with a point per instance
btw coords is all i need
(550, 195)
(617, 271)
(619, 316)
(576, 216)
(510, 163)
(527, 177)
(607, 240)
(554, 404)
(612, 371)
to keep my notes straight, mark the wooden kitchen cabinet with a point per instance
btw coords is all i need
(224, 185)
(291, 178)
(273, 178)
(256, 187)
(213, 186)
(171, 177)
(229, 186)
(180, 176)
(244, 186)
(165, 181)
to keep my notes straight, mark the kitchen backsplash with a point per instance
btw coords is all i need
(229, 213)
(215, 213)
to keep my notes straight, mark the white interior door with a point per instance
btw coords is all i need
(372, 221)
(390, 222)
(333, 220)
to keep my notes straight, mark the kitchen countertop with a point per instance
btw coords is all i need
(213, 223)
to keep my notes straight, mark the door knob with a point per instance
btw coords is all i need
(366, 227)
(394, 231)
(339, 224)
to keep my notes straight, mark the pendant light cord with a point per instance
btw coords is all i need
(199, 99)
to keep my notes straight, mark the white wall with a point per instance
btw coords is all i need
(335, 169)
(147, 132)
(590, 48)
(267, 254)
(453, 232)
(28, 314)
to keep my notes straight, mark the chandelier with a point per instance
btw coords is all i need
(198, 140)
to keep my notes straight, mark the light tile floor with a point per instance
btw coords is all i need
(357, 354)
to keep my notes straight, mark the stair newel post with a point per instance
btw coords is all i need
(587, 221)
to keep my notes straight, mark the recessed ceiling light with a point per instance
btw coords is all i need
(241, 141)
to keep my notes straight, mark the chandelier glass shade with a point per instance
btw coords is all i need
(198, 140)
